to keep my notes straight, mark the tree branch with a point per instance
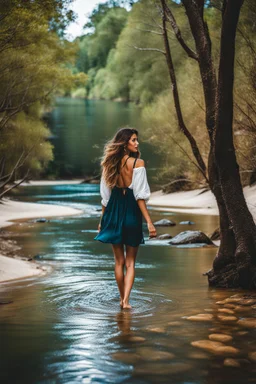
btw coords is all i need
(177, 31)
(147, 49)
(181, 123)
(15, 185)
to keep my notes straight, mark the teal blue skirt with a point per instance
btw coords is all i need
(121, 222)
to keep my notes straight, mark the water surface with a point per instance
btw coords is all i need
(80, 128)
(67, 327)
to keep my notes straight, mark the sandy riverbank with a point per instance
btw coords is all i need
(197, 201)
(10, 210)
(52, 182)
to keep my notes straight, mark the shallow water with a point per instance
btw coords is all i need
(67, 327)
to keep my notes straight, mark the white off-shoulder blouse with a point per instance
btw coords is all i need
(139, 186)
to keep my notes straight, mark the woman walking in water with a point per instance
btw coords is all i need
(124, 190)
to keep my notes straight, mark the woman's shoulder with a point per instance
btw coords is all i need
(139, 163)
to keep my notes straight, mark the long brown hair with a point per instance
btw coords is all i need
(114, 151)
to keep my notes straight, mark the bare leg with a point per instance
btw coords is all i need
(118, 250)
(131, 253)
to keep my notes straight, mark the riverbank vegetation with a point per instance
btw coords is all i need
(35, 66)
(123, 56)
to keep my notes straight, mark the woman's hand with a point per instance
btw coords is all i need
(151, 230)
(99, 227)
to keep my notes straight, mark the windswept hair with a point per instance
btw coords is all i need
(114, 151)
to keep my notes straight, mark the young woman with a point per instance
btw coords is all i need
(124, 190)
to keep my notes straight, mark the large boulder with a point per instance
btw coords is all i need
(190, 237)
(164, 223)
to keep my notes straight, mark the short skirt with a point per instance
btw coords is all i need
(121, 222)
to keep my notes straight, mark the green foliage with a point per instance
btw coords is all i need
(27, 136)
(33, 69)
(133, 74)
(79, 93)
(94, 48)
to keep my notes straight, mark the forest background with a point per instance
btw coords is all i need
(118, 58)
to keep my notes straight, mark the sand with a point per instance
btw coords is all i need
(13, 210)
(197, 201)
(10, 210)
(52, 182)
(13, 269)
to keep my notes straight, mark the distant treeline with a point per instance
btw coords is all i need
(35, 65)
(122, 55)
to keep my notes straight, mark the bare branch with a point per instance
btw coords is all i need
(12, 172)
(147, 49)
(177, 32)
(189, 157)
(182, 126)
(248, 41)
(149, 30)
(15, 184)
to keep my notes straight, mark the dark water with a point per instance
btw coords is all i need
(67, 327)
(80, 128)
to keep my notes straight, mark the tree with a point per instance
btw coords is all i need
(32, 69)
(234, 264)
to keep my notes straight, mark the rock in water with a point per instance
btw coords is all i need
(201, 317)
(215, 347)
(164, 223)
(252, 356)
(247, 322)
(190, 237)
(3, 301)
(41, 220)
(187, 222)
(164, 236)
(220, 337)
(231, 363)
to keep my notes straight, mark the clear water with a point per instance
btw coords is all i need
(80, 128)
(67, 327)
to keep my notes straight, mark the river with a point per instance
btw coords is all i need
(67, 327)
(80, 128)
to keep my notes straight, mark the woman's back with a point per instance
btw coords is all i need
(126, 170)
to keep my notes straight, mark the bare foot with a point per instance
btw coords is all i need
(126, 305)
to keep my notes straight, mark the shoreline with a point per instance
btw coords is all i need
(196, 201)
(12, 267)
(51, 182)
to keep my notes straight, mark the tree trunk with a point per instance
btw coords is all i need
(201, 36)
(235, 263)
(244, 268)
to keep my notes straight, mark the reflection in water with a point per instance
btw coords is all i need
(67, 327)
(123, 319)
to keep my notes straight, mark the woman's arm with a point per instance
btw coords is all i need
(144, 211)
(141, 192)
(105, 193)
